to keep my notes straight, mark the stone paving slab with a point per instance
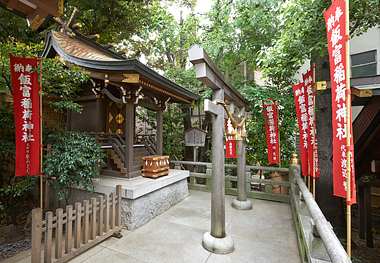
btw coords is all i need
(264, 234)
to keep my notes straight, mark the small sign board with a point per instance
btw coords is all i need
(195, 137)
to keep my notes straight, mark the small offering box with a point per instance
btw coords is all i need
(155, 166)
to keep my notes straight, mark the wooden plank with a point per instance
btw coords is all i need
(86, 221)
(361, 212)
(84, 247)
(93, 219)
(270, 197)
(266, 181)
(118, 206)
(58, 233)
(48, 236)
(77, 229)
(107, 214)
(47, 189)
(100, 216)
(268, 188)
(368, 216)
(211, 107)
(36, 234)
(375, 166)
(113, 209)
(69, 228)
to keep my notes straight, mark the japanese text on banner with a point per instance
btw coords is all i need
(308, 82)
(302, 117)
(335, 25)
(26, 108)
(271, 128)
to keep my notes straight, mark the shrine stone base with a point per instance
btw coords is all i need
(216, 245)
(142, 198)
(242, 205)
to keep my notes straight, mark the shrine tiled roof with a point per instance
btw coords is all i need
(78, 49)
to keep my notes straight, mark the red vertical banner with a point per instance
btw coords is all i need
(271, 128)
(26, 108)
(302, 117)
(335, 25)
(308, 83)
(230, 146)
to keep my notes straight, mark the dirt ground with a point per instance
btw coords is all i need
(361, 252)
(24, 206)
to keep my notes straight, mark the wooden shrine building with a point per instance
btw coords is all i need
(118, 85)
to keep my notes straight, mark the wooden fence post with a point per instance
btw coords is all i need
(69, 228)
(100, 216)
(77, 231)
(112, 223)
(118, 207)
(48, 236)
(93, 218)
(107, 214)
(58, 233)
(86, 221)
(36, 234)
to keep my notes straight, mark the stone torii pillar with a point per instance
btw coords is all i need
(241, 202)
(217, 240)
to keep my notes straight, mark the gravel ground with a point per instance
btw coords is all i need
(11, 249)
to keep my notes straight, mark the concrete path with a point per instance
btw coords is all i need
(264, 234)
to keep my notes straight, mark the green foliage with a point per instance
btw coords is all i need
(368, 178)
(113, 20)
(74, 160)
(15, 27)
(19, 189)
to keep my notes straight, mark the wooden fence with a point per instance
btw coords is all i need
(256, 187)
(83, 227)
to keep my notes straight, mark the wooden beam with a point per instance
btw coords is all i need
(207, 72)
(375, 166)
(211, 107)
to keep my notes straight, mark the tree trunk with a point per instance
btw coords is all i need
(331, 206)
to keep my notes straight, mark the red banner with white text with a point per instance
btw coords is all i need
(311, 152)
(302, 117)
(271, 128)
(26, 108)
(335, 25)
(230, 146)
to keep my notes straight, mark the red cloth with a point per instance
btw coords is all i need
(271, 128)
(26, 108)
(308, 82)
(300, 97)
(336, 35)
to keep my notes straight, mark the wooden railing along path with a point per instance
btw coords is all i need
(265, 186)
(85, 226)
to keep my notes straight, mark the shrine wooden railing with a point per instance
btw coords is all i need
(257, 187)
(149, 142)
(77, 229)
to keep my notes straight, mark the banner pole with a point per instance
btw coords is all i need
(348, 125)
(41, 177)
(314, 139)
(278, 133)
